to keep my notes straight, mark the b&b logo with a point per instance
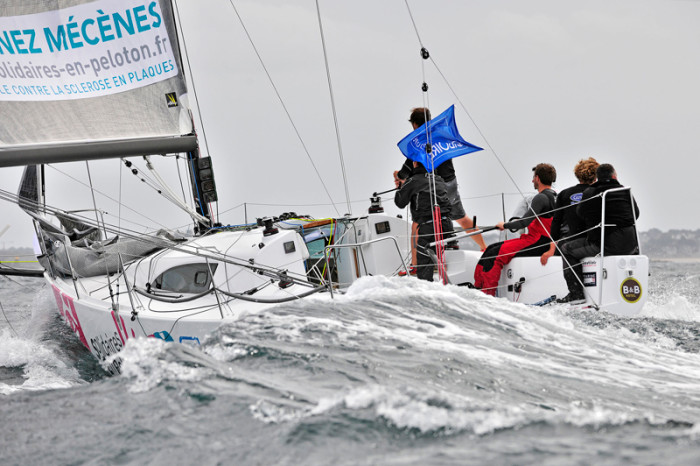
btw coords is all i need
(631, 290)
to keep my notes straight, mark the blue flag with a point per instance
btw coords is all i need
(445, 141)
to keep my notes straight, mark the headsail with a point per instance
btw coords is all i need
(84, 80)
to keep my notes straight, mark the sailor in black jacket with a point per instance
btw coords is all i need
(620, 232)
(621, 210)
(416, 191)
(566, 224)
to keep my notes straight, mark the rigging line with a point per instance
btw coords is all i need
(432, 184)
(284, 107)
(335, 116)
(289, 205)
(169, 194)
(119, 225)
(108, 197)
(30, 288)
(488, 144)
(426, 104)
(490, 195)
(160, 187)
(478, 129)
(119, 205)
(179, 175)
(461, 104)
(8, 321)
(104, 229)
(92, 192)
(191, 250)
(10, 197)
(232, 208)
(415, 28)
(189, 68)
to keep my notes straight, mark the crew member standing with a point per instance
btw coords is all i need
(416, 191)
(446, 171)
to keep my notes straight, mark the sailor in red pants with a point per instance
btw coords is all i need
(538, 221)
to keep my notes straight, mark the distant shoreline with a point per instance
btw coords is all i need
(676, 259)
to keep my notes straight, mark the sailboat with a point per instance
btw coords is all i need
(105, 80)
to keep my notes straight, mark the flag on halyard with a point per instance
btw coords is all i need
(445, 140)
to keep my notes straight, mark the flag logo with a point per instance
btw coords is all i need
(445, 142)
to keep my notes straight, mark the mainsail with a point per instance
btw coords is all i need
(82, 80)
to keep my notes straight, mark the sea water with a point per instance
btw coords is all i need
(397, 371)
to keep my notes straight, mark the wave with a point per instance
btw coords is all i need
(432, 359)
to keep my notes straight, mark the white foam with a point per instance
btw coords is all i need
(146, 362)
(429, 411)
(41, 368)
(677, 307)
(270, 413)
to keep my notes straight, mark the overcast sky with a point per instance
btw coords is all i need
(544, 81)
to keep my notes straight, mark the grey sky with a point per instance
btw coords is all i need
(545, 81)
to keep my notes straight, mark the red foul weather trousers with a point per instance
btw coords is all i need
(497, 255)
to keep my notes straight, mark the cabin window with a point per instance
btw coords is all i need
(188, 278)
(317, 248)
(316, 241)
(316, 267)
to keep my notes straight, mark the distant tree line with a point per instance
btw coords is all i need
(15, 252)
(670, 244)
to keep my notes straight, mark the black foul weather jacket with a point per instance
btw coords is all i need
(416, 191)
(621, 210)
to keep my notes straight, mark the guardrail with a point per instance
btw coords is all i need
(327, 249)
(601, 269)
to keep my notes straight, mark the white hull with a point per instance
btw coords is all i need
(105, 316)
(104, 330)
(616, 284)
(249, 274)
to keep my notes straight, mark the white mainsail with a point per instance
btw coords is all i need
(86, 80)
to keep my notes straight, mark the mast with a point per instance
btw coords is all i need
(203, 187)
(200, 168)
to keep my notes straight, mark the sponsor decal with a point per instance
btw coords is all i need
(67, 310)
(590, 278)
(589, 263)
(171, 99)
(576, 198)
(164, 335)
(89, 50)
(631, 290)
(106, 345)
(190, 340)
(122, 331)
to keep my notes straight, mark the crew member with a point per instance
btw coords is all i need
(566, 224)
(538, 221)
(621, 210)
(416, 190)
(446, 171)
